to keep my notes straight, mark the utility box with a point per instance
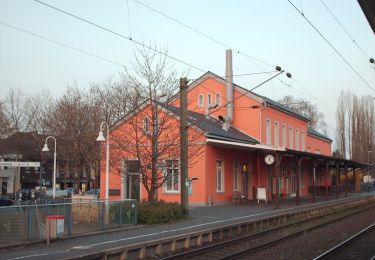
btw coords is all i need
(54, 226)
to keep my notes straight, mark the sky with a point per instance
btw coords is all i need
(266, 33)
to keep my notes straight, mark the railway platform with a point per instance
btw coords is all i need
(200, 218)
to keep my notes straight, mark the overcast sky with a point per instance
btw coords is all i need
(270, 31)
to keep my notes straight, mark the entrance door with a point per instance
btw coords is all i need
(247, 187)
(4, 188)
(132, 187)
(250, 187)
(293, 185)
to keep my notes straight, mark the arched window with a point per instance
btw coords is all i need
(218, 99)
(209, 99)
(200, 101)
(146, 124)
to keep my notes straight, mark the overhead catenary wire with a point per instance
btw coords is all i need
(243, 94)
(346, 31)
(120, 35)
(123, 36)
(332, 47)
(132, 40)
(130, 27)
(204, 34)
(64, 45)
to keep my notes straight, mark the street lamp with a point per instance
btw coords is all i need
(45, 149)
(101, 138)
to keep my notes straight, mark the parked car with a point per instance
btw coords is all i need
(4, 201)
(93, 192)
(70, 190)
(58, 193)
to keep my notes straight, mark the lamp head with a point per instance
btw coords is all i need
(100, 137)
(45, 148)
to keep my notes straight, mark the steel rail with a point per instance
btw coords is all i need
(226, 244)
(345, 243)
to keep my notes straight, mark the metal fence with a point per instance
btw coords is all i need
(28, 222)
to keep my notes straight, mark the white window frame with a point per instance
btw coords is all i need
(283, 135)
(173, 168)
(268, 132)
(209, 99)
(236, 175)
(277, 133)
(303, 141)
(146, 124)
(218, 99)
(308, 149)
(291, 137)
(317, 151)
(297, 140)
(220, 171)
(201, 100)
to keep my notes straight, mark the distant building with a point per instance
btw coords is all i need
(22, 146)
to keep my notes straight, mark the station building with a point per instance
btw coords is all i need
(242, 143)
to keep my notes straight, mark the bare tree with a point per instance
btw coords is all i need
(15, 110)
(341, 127)
(150, 135)
(5, 128)
(309, 110)
(355, 126)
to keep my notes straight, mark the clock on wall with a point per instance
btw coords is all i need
(269, 159)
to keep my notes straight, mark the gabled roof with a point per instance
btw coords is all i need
(283, 108)
(259, 98)
(315, 133)
(212, 127)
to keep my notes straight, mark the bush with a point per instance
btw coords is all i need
(159, 212)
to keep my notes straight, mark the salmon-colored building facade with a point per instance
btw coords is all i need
(238, 146)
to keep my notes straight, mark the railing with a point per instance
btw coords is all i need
(28, 222)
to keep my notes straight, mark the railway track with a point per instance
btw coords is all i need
(246, 245)
(359, 246)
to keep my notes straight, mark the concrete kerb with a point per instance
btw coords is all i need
(30, 243)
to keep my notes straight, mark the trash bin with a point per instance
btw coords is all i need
(54, 226)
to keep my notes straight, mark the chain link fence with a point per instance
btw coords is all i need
(24, 223)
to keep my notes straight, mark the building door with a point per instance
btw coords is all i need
(293, 185)
(250, 186)
(247, 187)
(130, 188)
(4, 188)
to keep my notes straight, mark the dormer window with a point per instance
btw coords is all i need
(146, 124)
(200, 101)
(209, 99)
(218, 99)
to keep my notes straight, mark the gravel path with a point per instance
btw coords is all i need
(320, 240)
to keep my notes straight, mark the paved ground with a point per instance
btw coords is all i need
(200, 218)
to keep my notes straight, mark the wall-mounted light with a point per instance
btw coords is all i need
(244, 167)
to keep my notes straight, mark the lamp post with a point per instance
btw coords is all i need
(45, 149)
(368, 171)
(101, 138)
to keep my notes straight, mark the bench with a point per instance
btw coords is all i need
(238, 197)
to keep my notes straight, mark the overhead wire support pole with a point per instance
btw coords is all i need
(184, 146)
